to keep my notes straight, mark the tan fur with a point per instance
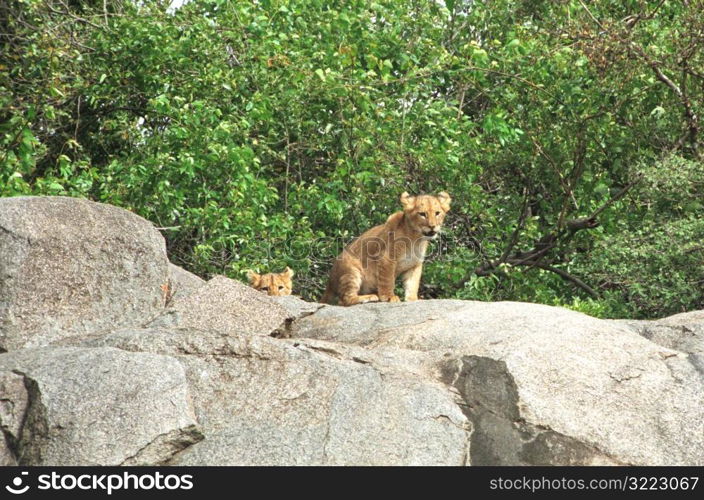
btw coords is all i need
(274, 284)
(367, 269)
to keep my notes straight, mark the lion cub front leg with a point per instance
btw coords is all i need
(386, 281)
(411, 282)
(350, 284)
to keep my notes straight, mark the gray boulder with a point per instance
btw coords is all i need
(71, 266)
(541, 385)
(14, 400)
(226, 306)
(182, 283)
(263, 401)
(682, 332)
(296, 308)
(102, 406)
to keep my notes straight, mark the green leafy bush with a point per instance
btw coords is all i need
(271, 133)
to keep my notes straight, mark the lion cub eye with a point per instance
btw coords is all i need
(281, 287)
(264, 289)
(437, 214)
(423, 214)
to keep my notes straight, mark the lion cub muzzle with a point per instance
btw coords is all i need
(431, 234)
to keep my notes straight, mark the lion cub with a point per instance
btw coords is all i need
(274, 284)
(367, 269)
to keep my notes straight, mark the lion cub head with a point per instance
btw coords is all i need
(426, 213)
(272, 283)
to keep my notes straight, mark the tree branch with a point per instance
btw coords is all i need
(514, 236)
(564, 274)
(533, 257)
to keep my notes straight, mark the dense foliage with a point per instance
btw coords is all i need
(270, 133)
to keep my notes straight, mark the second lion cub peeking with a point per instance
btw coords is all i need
(274, 284)
(367, 269)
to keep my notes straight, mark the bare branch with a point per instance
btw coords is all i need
(564, 274)
(592, 15)
(70, 14)
(534, 257)
(616, 197)
(519, 225)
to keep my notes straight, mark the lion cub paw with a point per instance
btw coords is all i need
(392, 298)
(363, 299)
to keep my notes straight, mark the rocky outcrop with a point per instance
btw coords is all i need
(182, 282)
(70, 267)
(683, 332)
(224, 305)
(13, 408)
(542, 385)
(99, 406)
(263, 401)
(224, 375)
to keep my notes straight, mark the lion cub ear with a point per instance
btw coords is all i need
(288, 272)
(444, 200)
(407, 201)
(253, 278)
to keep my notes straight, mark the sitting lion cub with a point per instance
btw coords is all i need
(272, 283)
(367, 269)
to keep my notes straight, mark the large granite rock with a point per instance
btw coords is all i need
(182, 282)
(105, 406)
(227, 306)
(14, 399)
(434, 382)
(263, 401)
(71, 266)
(682, 332)
(541, 385)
